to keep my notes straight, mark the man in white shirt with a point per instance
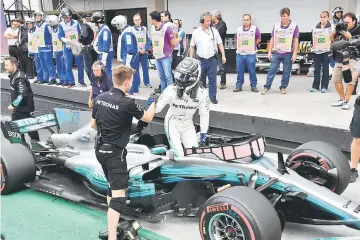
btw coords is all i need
(11, 34)
(207, 40)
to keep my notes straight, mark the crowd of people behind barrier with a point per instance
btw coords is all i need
(36, 41)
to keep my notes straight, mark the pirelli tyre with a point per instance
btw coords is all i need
(322, 163)
(239, 213)
(17, 167)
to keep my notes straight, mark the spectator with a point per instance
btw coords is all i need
(103, 42)
(43, 33)
(321, 48)
(207, 41)
(220, 25)
(285, 42)
(247, 37)
(53, 21)
(128, 50)
(179, 49)
(166, 18)
(144, 43)
(337, 15)
(163, 44)
(100, 82)
(344, 68)
(24, 60)
(86, 38)
(33, 47)
(11, 34)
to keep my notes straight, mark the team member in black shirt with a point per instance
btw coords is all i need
(112, 115)
(220, 25)
(22, 101)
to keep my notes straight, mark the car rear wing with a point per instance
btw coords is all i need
(12, 130)
(234, 149)
(67, 119)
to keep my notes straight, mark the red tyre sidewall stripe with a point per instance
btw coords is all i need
(246, 221)
(2, 178)
(201, 225)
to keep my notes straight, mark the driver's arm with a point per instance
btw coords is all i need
(164, 99)
(139, 113)
(204, 111)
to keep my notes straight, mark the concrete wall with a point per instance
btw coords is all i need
(281, 136)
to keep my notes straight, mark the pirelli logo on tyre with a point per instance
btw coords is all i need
(218, 208)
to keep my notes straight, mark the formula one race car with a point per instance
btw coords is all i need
(235, 189)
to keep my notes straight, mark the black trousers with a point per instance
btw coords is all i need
(222, 70)
(113, 163)
(321, 61)
(25, 63)
(21, 115)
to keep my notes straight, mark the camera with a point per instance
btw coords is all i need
(341, 27)
(348, 49)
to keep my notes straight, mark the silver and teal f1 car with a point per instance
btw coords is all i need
(235, 188)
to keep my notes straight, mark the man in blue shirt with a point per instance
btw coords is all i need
(100, 82)
(103, 43)
(43, 33)
(143, 43)
(69, 31)
(127, 51)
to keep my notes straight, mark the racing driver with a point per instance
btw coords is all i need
(185, 96)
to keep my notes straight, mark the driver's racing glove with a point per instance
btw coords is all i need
(153, 98)
(203, 137)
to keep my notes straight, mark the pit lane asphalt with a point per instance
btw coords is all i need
(173, 227)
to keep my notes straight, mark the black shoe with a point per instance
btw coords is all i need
(65, 84)
(36, 81)
(41, 82)
(254, 90)
(237, 89)
(354, 175)
(59, 83)
(103, 234)
(214, 101)
(83, 84)
(52, 82)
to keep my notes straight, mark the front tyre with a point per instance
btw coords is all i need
(239, 213)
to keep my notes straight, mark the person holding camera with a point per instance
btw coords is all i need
(321, 48)
(345, 60)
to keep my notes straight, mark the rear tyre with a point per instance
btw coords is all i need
(17, 167)
(239, 213)
(329, 158)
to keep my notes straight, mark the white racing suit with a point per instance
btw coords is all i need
(178, 123)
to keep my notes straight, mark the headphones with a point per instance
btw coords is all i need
(203, 16)
(102, 66)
